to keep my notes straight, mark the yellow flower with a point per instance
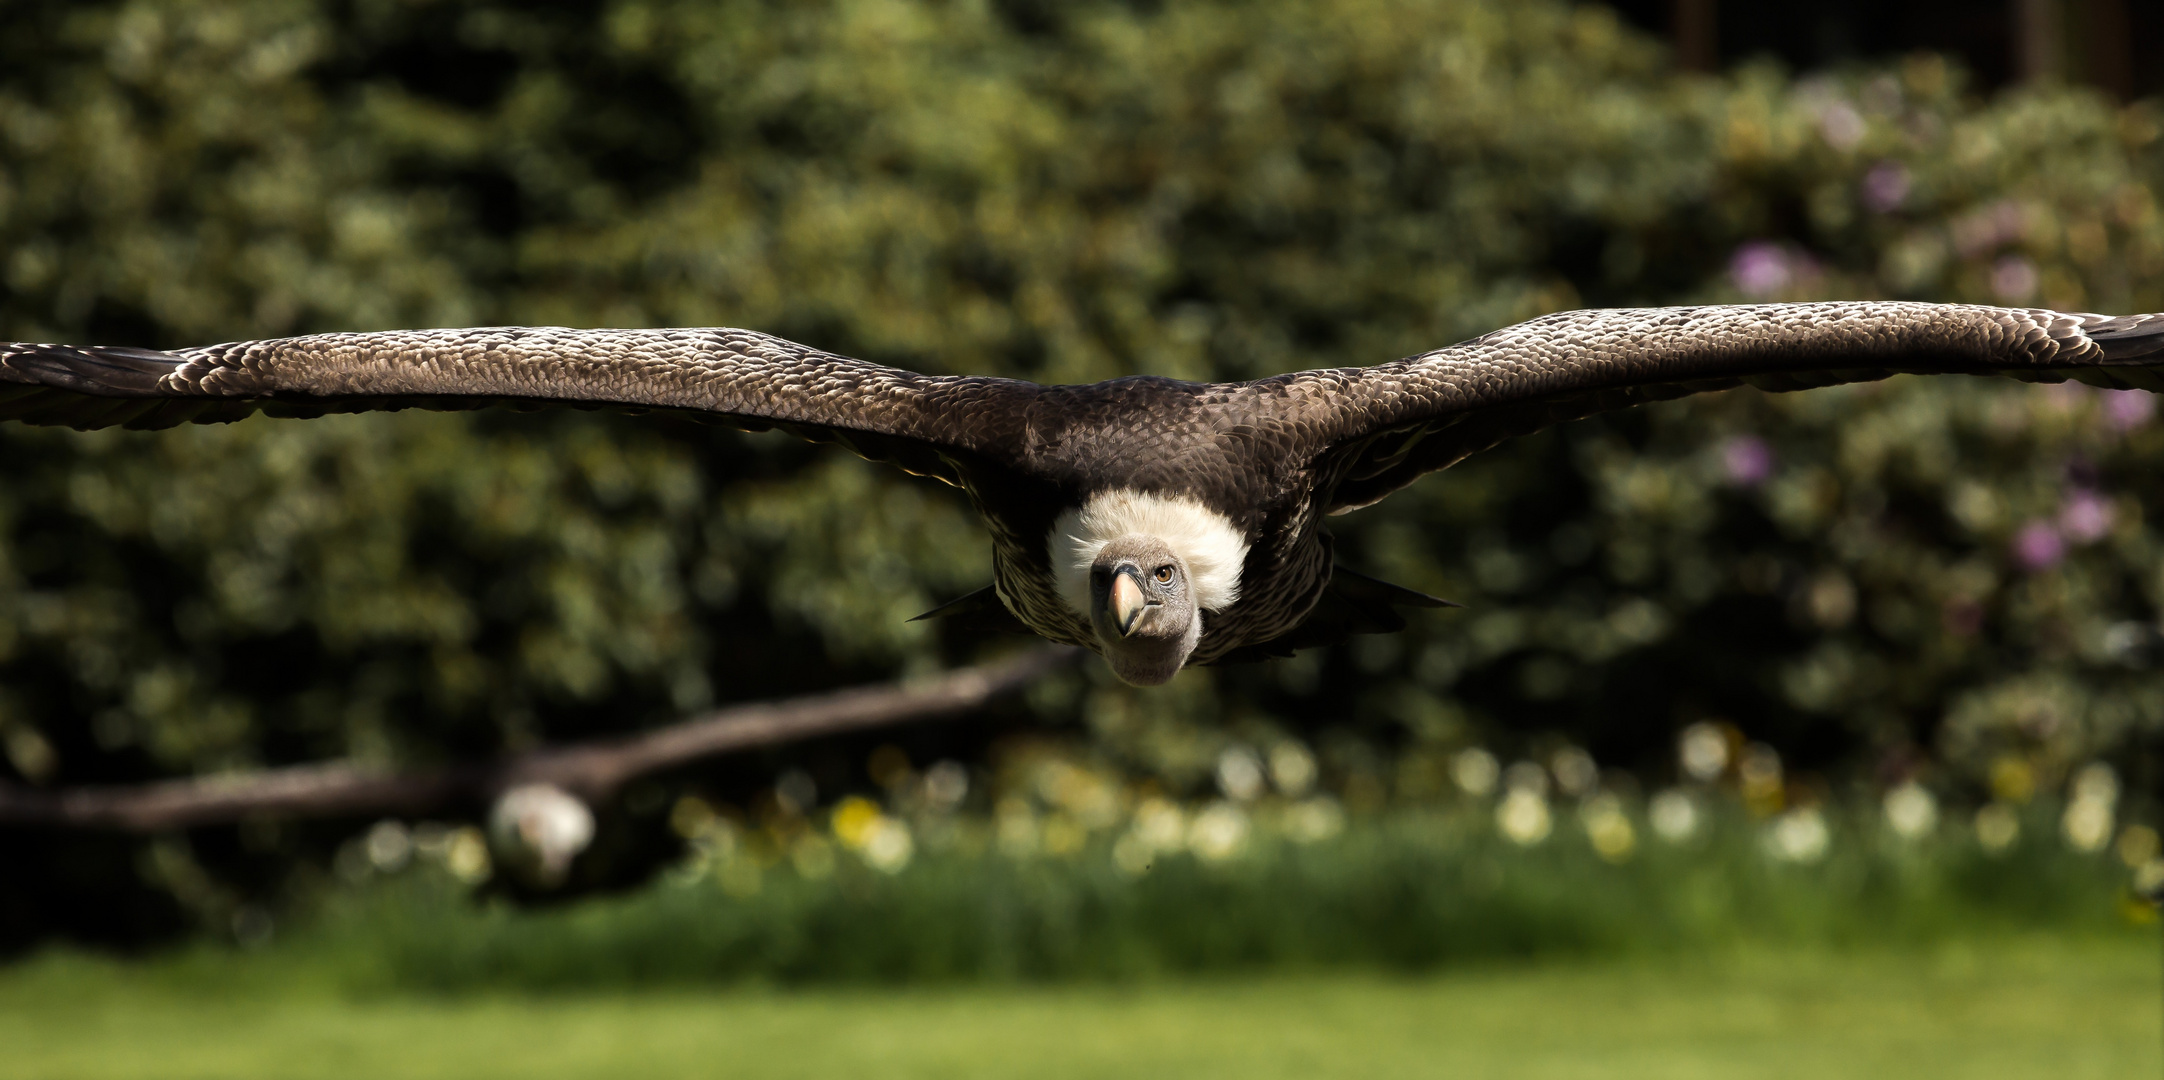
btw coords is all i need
(855, 820)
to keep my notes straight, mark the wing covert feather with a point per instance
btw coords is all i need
(748, 379)
(1377, 429)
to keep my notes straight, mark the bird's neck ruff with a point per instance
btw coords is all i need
(1203, 538)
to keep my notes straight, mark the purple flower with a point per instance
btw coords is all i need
(2038, 546)
(1761, 269)
(1987, 227)
(1747, 459)
(1886, 187)
(2013, 280)
(2085, 517)
(2129, 409)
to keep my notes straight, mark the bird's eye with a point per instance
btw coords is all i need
(1164, 575)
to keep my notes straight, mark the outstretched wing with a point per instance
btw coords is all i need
(932, 425)
(1373, 430)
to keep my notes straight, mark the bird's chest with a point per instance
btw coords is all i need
(1284, 579)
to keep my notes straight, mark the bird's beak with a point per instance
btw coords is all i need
(1127, 600)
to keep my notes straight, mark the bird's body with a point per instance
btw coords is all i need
(1159, 522)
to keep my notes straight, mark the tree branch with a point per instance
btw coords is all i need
(591, 769)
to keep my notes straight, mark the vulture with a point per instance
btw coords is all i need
(1157, 522)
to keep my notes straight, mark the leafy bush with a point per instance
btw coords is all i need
(1409, 891)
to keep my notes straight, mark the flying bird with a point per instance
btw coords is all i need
(1160, 523)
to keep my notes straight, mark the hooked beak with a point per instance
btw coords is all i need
(1126, 600)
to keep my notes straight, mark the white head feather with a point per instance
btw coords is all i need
(1204, 539)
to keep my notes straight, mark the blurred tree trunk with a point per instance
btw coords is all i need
(1697, 34)
(2110, 52)
(2039, 28)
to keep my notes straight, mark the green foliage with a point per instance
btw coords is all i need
(1411, 891)
(1062, 193)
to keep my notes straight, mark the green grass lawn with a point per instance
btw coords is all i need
(2030, 1009)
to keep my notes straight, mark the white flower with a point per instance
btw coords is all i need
(887, 845)
(1911, 812)
(465, 855)
(1608, 827)
(2087, 823)
(1239, 775)
(946, 784)
(1523, 816)
(1526, 776)
(1474, 770)
(1575, 772)
(2149, 879)
(1310, 820)
(1703, 749)
(1674, 815)
(883, 841)
(1799, 836)
(1997, 827)
(1292, 768)
(2096, 782)
(389, 845)
(1159, 825)
(1218, 831)
(2088, 819)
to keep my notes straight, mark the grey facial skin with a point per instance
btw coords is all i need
(1143, 609)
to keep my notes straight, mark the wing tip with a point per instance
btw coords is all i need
(87, 387)
(104, 370)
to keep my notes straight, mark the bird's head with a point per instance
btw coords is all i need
(1142, 605)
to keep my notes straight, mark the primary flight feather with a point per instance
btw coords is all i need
(1158, 522)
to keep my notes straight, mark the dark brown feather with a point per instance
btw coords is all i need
(1273, 455)
(1388, 425)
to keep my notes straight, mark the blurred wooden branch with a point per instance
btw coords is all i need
(591, 769)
